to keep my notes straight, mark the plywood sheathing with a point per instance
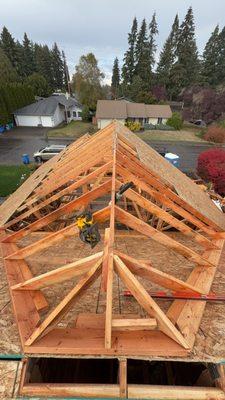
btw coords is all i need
(9, 379)
(186, 189)
(209, 345)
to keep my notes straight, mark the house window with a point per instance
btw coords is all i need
(79, 114)
(160, 120)
(68, 114)
(74, 114)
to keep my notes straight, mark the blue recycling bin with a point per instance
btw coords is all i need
(2, 128)
(25, 159)
(173, 159)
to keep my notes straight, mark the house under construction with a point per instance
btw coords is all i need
(115, 265)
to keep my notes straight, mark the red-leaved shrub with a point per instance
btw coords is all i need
(215, 134)
(211, 168)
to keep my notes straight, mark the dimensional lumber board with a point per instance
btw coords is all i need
(186, 189)
(209, 344)
(89, 175)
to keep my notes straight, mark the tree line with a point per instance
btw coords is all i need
(179, 66)
(42, 68)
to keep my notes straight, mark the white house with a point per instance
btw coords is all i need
(49, 112)
(123, 110)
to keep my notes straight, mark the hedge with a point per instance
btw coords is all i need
(12, 97)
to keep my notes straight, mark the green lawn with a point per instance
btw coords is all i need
(74, 129)
(182, 135)
(11, 177)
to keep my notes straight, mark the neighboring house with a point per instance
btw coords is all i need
(49, 112)
(122, 111)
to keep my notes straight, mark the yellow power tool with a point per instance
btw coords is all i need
(88, 229)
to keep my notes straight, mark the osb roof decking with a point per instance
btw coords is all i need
(209, 344)
(49, 295)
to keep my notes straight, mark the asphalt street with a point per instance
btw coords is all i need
(19, 141)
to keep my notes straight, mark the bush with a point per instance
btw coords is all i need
(159, 127)
(133, 126)
(215, 134)
(211, 168)
(175, 121)
(85, 114)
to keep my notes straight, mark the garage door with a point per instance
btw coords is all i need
(24, 120)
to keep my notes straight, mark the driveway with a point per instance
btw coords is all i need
(21, 140)
(187, 151)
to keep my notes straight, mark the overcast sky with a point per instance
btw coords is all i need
(101, 26)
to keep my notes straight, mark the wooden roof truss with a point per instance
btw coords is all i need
(87, 175)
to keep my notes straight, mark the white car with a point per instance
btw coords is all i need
(48, 152)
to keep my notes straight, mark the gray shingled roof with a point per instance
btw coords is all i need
(46, 106)
(124, 109)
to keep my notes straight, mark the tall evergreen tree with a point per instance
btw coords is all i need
(220, 67)
(28, 56)
(7, 72)
(57, 67)
(168, 55)
(9, 47)
(187, 55)
(128, 68)
(153, 31)
(115, 84)
(43, 61)
(211, 58)
(66, 75)
(142, 55)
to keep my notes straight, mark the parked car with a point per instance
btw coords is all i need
(48, 152)
(199, 122)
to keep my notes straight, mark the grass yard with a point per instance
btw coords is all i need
(74, 129)
(11, 177)
(182, 135)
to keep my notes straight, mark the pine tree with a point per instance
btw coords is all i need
(153, 31)
(66, 75)
(128, 68)
(168, 55)
(115, 79)
(187, 55)
(28, 56)
(142, 55)
(43, 62)
(57, 67)
(9, 47)
(211, 58)
(7, 72)
(220, 68)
